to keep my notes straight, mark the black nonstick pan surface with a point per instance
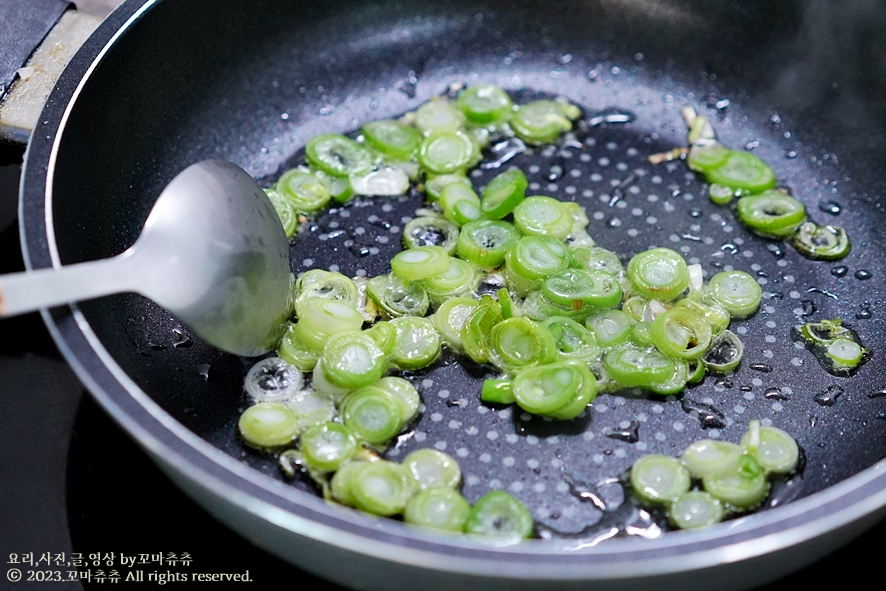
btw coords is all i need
(252, 81)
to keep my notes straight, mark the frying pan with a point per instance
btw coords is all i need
(162, 84)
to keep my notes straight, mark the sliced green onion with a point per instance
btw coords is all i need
(696, 509)
(438, 508)
(725, 353)
(504, 193)
(285, 210)
(340, 485)
(585, 393)
(268, 424)
(326, 447)
(485, 242)
(681, 333)
(845, 353)
(595, 258)
(675, 383)
(430, 231)
(398, 297)
(742, 486)
(457, 281)
(326, 285)
(771, 214)
(477, 329)
(712, 311)
(742, 170)
(293, 351)
(404, 393)
(610, 327)
(417, 344)
(312, 408)
(541, 122)
(532, 259)
(736, 291)
(574, 341)
(446, 152)
(775, 450)
(454, 198)
(509, 308)
(372, 414)
(704, 157)
(543, 216)
(520, 342)
(439, 115)
(351, 360)
(544, 389)
(577, 288)
(431, 468)
(392, 138)
(498, 392)
(435, 186)
(707, 456)
(634, 367)
(385, 181)
(641, 334)
(719, 194)
(272, 380)
(338, 155)
(500, 515)
(449, 319)
(420, 262)
(384, 336)
(659, 273)
(826, 243)
(306, 192)
(321, 319)
(485, 103)
(659, 479)
(381, 488)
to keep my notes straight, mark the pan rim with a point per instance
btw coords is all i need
(116, 393)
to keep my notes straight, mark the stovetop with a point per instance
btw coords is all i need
(73, 483)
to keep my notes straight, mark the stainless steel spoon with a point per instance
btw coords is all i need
(213, 252)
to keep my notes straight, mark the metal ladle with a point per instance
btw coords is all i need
(213, 252)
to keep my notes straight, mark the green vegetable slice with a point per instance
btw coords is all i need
(284, 209)
(450, 318)
(611, 327)
(532, 259)
(520, 342)
(404, 393)
(454, 198)
(543, 216)
(504, 193)
(326, 285)
(775, 450)
(439, 508)
(268, 424)
(659, 273)
(430, 231)
(541, 122)
(321, 319)
(417, 343)
(544, 389)
(372, 414)
(398, 297)
(744, 171)
(825, 243)
(736, 291)
(681, 333)
(351, 360)
(725, 352)
(420, 262)
(498, 392)
(486, 242)
(326, 447)
(659, 479)
(435, 185)
(742, 486)
(392, 138)
(477, 328)
(431, 468)
(460, 279)
(439, 115)
(382, 488)
(578, 288)
(705, 157)
(707, 456)
(306, 192)
(448, 151)
(338, 155)
(595, 258)
(485, 103)
(294, 352)
(500, 515)
(696, 509)
(634, 367)
(771, 214)
(574, 341)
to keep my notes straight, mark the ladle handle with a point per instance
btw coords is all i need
(32, 290)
